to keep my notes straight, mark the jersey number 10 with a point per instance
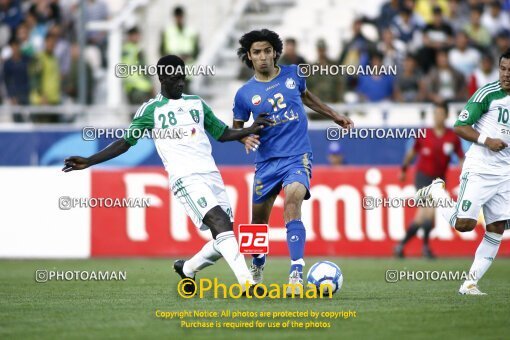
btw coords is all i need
(503, 115)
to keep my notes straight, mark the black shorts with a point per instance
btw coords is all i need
(421, 180)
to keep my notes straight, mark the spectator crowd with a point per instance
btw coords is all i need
(40, 53)
(444, 50)
(39, 58)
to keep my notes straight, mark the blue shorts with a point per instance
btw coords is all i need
(275, 173)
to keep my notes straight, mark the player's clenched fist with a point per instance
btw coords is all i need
(344, 122)
(260, 122)
(75, 163)
(495, 144)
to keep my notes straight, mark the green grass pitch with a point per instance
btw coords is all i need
(126, 309)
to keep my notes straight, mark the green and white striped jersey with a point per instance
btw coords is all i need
(488, 110)
(178, 129)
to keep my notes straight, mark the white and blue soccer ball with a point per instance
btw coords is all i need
(328, 275)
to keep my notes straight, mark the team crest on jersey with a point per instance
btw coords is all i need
(464, 115)
(255, 100)
(290, 83)
(202, 202)
(466, 204)
(195, 115)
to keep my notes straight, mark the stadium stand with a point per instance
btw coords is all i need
(339, 24)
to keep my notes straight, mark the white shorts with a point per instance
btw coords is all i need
(199, 193)
(483, 191)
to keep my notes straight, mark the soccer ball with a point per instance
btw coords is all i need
(326, 273)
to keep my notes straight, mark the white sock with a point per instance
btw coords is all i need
(227, 245)
(484, 256)
(448, 213)
(204, 258)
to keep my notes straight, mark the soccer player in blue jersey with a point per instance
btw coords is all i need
(284, 157)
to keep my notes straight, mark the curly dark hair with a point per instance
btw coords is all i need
(254, 36)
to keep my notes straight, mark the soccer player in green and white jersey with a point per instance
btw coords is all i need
(186, 153)
(485, 177)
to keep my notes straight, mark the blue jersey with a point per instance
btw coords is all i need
(281, 98)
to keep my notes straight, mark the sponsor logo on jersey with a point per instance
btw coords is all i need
(294, 238)
(290, 83)
(255, 100)
(272, 86)
(466, 204)
(202, 202)
(464, 115)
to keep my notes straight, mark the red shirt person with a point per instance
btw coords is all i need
(434, 153)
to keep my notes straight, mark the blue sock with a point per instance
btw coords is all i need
(258, 259)
(296, 237)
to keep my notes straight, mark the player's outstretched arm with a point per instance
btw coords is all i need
(471, 135)
(113, 150)
(314, 103)
(238, 134)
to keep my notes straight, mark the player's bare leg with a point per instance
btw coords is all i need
(296, 233)
(465, 224)
(260, 215)
(484, 256)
